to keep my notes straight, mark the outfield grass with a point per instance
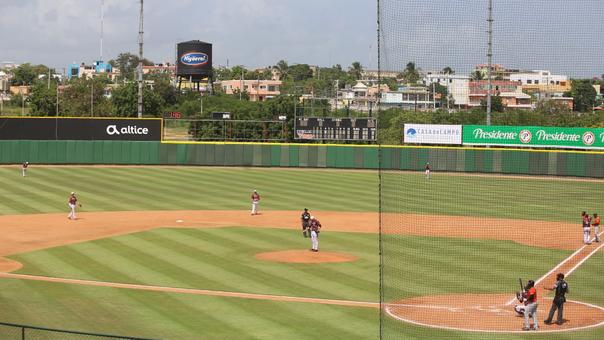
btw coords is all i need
(222, 259)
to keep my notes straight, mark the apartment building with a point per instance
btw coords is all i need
(458, 86)
(258, 90)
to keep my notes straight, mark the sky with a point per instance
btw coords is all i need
(563, 36)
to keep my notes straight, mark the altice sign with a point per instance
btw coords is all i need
(534, 136)
(432, 134)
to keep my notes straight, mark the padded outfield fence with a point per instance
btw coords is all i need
(482, 160)
(10, 331)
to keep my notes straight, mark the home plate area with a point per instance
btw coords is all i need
(488, 313)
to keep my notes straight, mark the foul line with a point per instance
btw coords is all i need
(193, 291)
(563, 262)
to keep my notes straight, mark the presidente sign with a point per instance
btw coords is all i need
(52, 128)
(534, 136)
(432, 134)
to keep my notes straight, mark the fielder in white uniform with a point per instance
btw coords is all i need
(255, 202)
(72, 201)
(315, 229)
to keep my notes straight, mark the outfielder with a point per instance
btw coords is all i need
(315, 229)
(428, 169)
(586, 221)
(255, 202)
(24, 168)
(72, 201)
(305, 218)
(596, 224)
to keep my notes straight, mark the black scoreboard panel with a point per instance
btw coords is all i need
(316, 128)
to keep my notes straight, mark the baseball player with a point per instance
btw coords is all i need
(428, 169)
(315, 229)
(305, 218)
(24, 168)
(561, 288)
(72, 201)
(529, 297)
(255, 202)
(596, 224)
(586, 220)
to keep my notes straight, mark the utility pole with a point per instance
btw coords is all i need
(140, 62)
(490, 62)
(241, 85)
(92, 98)
(57, 103)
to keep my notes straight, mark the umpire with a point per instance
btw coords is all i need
(561, 288)
(305, 218)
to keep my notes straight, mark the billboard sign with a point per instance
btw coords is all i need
(194, 59)
(51, 128)
(534, 136)
(432, 134)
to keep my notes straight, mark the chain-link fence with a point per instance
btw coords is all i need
(21, 332)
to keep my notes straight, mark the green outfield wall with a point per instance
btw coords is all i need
(510, 161)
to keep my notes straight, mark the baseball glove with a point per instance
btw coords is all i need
(304, 233)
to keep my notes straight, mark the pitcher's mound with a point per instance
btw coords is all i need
(305, 256)
(488, 313)
(8, 265)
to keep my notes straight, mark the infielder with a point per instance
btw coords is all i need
(586, 222)
(315, 229)
(72, 201)
(305, 219)
(24, 168)
(255, 202)
(596, 224)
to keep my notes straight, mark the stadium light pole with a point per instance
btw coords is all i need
(140, 63)
(490, 62)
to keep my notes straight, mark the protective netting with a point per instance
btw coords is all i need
(455, 243)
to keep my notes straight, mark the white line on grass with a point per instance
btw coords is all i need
(192, 291)
(561, 264)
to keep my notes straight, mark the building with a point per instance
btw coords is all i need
(409, 98)
(498, 72)
(258, 90)
(373, 74)
(458, 87)
(165, 68)
(542, 84)
(89, 71)
(510, 93)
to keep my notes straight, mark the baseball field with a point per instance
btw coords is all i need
(173, 253)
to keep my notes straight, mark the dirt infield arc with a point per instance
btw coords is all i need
(23, 233)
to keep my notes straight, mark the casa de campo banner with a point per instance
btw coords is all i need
(534, 136)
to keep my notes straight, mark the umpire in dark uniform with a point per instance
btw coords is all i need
(305, 218)
(561, 288)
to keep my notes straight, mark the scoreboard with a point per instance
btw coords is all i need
(322, 128)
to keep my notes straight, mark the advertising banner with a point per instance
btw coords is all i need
(51, 128)
(432, 134)
(534, 136)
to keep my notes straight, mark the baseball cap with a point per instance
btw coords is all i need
(73, 193)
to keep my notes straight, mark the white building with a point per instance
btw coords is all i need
(539, 77)
(458, 86)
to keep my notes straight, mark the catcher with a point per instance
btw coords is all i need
(528, 296)
(305, 218)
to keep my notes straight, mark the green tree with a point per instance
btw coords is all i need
(584, 95)
(300, 72)
(447, 70)
(283, 68)
(356, 70)
(496, 104)
(27, 74)
(127, 63)
(85, 97)
(411, 73)
(476, 75)
(43, 99)
(125, 101)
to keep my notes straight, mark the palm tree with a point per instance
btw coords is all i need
(447, 70)
(283, 67)
(356, 70)
(477, 75)
(411, 73)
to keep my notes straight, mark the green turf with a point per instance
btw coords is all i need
(170, 188)
(222, 259)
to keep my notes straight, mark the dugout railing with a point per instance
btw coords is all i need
(9, 331)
